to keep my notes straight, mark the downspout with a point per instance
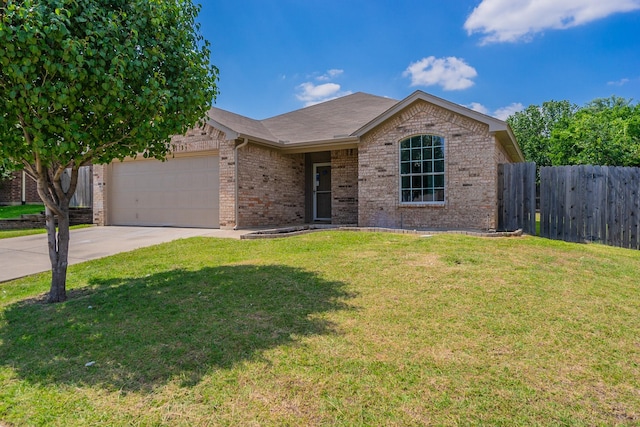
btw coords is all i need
(237, 192)
(24, 188)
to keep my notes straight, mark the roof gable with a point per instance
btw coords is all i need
(498, 127)
(494, 124)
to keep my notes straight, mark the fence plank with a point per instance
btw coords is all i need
(635, 226)
(572, 203)
(545, 193)
(501, 197)
(612, 200)
(516, 197)
(530, 199)
(624, 209)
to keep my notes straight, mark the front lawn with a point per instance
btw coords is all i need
(15, 211)
(330, 328)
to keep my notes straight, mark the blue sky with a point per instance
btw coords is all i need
(495, 56)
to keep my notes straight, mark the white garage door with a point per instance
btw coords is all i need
(181, 192)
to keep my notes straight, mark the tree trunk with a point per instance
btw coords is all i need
(58, 253)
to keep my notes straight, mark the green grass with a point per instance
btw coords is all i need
(330, 328)
(7, 212)
(6, 234)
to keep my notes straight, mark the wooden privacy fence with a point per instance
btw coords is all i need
(83, 197)
(517, 197)
(591, 204)
(577, 203)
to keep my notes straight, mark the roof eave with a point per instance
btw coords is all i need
(303, 146)
(323, 145)
(229, 133)
(508, 141)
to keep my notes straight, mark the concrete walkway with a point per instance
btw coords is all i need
(22, 256)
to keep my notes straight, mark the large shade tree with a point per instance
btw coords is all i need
(533, 127)
(85, 81)
(605, 131)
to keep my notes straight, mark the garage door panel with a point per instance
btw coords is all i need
(181, 192)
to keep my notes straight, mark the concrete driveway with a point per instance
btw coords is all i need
(22, 256)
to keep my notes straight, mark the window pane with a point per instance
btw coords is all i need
(416, 195)
(438, 166)
(405, 168)
(428, 181)
(438, 153)
(437, 141)
(439, 196)
(439, 181)
(416, 154)
(426, 141)
(406, 182)
(416, 167)
(416, 182)
(428, 195)
(415, 142)
(405, 144)
(426, 153)
(427, 166)
(405, 155)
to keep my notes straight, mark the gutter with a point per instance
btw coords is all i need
(237, 185)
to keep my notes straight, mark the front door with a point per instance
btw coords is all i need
(322, 191)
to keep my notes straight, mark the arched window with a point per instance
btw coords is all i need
(422, 169)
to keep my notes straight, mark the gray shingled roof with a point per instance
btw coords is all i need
(329, 120)
(228, 121)
(344, 119)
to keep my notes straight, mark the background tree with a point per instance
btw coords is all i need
(93, 81)
(533, 127)
(606, 131)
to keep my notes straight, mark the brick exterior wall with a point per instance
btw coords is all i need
(100, 202)
(227, 184)
(471, 159)
(365, 181)
(205, 138)
(344, 186)
(11, 190)
(271, 187)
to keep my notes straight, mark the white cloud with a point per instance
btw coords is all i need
(451, 73)
(501, 113)
(329, 75)
(312, 94)
(514, 20)
(476, 106)
(620, 82)
(504, 112)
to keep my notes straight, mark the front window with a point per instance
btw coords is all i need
(422, 169)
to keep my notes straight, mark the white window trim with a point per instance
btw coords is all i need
(444, 176)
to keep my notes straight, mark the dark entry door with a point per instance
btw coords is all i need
(322, 192)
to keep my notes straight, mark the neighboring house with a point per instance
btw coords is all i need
(364, 160)
(19, 189)
(22, 189)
